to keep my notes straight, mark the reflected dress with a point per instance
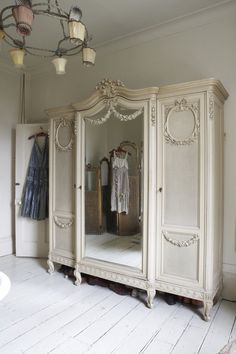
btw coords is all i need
(35, 193)
(120, 184)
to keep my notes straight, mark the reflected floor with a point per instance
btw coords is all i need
(108, 247)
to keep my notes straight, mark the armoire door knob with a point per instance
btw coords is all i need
(160, 189)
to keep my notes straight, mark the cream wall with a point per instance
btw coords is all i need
(9, 109)
(197, 47)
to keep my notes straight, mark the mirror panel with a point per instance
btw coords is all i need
(113, 186)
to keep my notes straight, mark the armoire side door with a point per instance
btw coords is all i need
(180, 176)
(62, 190)
(31, 235)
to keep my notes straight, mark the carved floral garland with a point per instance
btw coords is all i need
(118, 115)
(63, 225)
(178, 243)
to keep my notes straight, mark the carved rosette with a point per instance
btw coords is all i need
(64, 123)
(179, 243)
(182, 105)
(63, 225)
(211, 107)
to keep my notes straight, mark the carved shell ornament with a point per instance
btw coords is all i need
(108, 89)
(180, 106)
(64, 123)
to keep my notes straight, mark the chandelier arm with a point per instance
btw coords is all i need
(61, 22)
(14, 43)
(38, 55)
(39, 49)
(78, 47)
(2, 12)
(70, 55)
(51, 14)
(10, 43)
(9, 25)
(63, 28)
(63, 14)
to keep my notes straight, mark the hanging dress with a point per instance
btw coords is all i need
(120, 184)
(35, 193)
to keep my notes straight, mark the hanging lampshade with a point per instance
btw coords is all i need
(17, 56)
(60, 65)
(24, 18)
(89, 55)
(76, 32)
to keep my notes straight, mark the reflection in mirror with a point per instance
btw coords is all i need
(113, 187)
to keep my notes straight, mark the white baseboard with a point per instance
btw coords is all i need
(6, 246)
(229, 282)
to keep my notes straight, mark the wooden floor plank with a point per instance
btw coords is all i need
(171, 330)
(191, 339)
(76, 326)
(219, 333)
(146, 330)
(72, 346)
(110, 340)
(95, 332)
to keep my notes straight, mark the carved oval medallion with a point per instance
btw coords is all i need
(64, 137)
(182, 123)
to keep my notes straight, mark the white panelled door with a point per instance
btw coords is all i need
(31, 235)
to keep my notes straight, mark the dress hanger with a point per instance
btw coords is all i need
(41, 133)
(119, 150)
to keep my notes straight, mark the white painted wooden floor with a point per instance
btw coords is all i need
(48, 314)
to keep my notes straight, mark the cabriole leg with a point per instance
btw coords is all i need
(208, 304)
(50, 266)
(150, 297)
(77, 275)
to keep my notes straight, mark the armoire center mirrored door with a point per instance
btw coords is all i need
(112, 148)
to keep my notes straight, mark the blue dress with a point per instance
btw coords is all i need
(35, 193)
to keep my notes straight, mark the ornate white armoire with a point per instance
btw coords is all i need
(172, 138)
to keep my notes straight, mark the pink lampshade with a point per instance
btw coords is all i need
(24, 18)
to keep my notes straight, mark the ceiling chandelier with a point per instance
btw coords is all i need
(74, 37)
